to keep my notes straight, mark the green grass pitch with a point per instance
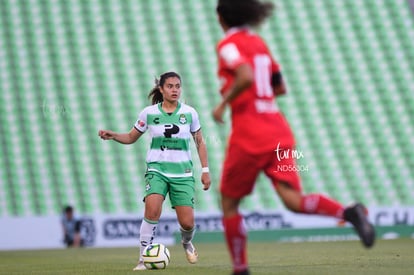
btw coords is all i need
(390, 257)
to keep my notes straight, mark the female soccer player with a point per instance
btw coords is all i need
(260, 139)
(169, 167)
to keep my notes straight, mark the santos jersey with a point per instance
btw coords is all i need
(257, 124)
(169, 153)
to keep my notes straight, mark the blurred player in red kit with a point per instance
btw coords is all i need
(260, 138)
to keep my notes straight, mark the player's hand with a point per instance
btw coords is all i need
(106, 134)
(219, 111)
(206, 181)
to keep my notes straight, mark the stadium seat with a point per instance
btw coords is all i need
(68, 70)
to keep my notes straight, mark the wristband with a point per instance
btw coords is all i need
(205, 170)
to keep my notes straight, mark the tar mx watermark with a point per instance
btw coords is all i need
(287, 160)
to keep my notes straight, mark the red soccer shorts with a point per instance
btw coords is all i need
(241, 169)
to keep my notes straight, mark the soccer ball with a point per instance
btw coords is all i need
(156, 256)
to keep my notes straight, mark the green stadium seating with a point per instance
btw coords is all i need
(68, 69)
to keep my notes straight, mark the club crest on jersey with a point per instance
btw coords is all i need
(182, 119)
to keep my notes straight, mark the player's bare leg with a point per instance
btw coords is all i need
(185, 216)
(322, 205)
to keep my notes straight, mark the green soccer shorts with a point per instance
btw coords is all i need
(180, 190)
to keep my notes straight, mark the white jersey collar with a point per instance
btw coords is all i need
(234, 30)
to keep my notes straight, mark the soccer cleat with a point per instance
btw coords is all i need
(356, 215)
(190, 252)
(140, 266)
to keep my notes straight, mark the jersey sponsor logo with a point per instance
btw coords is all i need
(156, 120)
(170, 129)
(170, 144)
(163, 148)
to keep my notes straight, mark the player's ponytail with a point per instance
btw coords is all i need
(155, 94)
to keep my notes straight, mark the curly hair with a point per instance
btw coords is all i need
(244, 12)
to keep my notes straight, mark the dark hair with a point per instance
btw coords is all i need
(155, 94)
(243, 12)
(68, 209)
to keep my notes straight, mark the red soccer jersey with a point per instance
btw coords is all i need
(257, 124)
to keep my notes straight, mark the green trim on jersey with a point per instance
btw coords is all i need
(160, 119)
(173, 113)
(172, 167)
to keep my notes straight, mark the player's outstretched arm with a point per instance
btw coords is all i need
(124, 138)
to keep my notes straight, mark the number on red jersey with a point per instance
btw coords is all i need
(262, 75)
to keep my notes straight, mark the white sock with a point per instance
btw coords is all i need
(146, 234)
(187, 235)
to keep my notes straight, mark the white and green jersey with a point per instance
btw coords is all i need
(169, 152)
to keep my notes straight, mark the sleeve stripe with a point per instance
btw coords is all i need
(135, 127)
(196, 130)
